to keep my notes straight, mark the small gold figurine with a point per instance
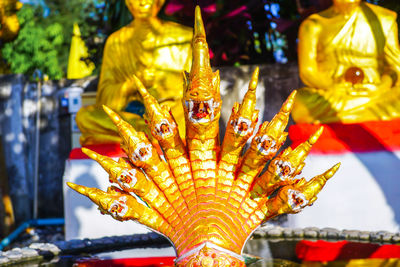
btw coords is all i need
(207, 198)
(349, 60)
(79, 66)
(153, 50)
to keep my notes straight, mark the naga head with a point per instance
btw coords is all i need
(121, 172)
(294, 197)
(287, 200)
(272, 135)
(201, 98)
(291, 162)
(159, 118)
(244, 117)
(135, 144)
(113, 202)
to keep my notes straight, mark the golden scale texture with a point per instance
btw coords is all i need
(206, 198)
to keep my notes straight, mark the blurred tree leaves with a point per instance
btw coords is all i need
(44, 39)
(36, 46)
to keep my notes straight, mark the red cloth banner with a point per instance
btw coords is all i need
(357, 137)
(344, 250)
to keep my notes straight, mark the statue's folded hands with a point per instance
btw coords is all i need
(349, 60)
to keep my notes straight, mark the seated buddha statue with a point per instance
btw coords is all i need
(349, 61)
(155, 51)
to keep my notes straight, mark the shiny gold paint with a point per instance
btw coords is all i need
(206, 198)
(153, 50)
(349, 60)
(79, 66)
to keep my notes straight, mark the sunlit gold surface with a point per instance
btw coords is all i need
(156, 52)
(9, 24)
(206, 198)
(79, 66)
(349, 60)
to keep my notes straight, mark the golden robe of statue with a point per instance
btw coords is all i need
(349, 59)
(156, 52)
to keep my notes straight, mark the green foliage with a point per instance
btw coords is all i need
(66, 13)
(44, 40)
(36, 47)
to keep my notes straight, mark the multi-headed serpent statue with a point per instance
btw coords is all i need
(207, 198)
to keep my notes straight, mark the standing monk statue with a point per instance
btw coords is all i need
(156, 52)
(349, 60)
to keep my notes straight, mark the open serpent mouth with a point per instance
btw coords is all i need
(201, 111)
(118, 208)
(165, 128)
(242, 126)
(296, 200)
(128, 178)
(266, 145)
(283, 169)
(142, 152)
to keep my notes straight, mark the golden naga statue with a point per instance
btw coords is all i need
(206, 198)
(156, 52)
(349, 59)
(9, 24)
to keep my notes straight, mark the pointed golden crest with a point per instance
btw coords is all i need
(245, 116)
(299, 154)
(118, 204)
(291, 162)
(265, 144)
(278, 124)
(99, 197)
(285, 166)
(130, 179)
(293, 198)
(272, 135)
(315, 185)
(201, 60)
(126, 131)
(201, 100)
(159, 118)
(109, 165)
(152, 107)
(136, 145)
(249, 101)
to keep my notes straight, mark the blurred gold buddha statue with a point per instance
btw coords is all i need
(9, 25)
(349, 60)
(156, 52)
